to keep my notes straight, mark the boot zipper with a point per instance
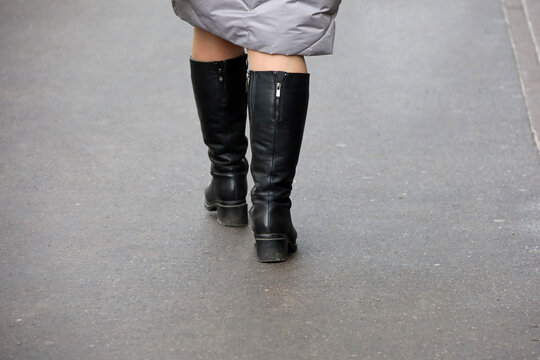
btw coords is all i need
(220, 71)
(249, 97)
(278, 96)
(219, 66)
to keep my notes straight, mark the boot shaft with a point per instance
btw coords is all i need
(220, 95)
(278, 103)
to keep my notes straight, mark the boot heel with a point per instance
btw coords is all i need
(232, 215)
(272, 248)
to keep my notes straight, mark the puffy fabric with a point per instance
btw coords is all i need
(289, 27)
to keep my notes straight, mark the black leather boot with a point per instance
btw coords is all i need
(277, 103)
(220, 95)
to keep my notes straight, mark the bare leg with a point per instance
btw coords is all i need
(208, 47)
(259, 61)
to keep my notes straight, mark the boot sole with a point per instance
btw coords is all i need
(273, 247)
(230, 215)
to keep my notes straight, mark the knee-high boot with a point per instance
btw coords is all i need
(220, 95)
(277, 103)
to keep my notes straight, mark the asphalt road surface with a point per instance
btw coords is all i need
(417, 196)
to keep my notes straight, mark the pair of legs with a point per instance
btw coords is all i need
(208, 47)
(276, 95)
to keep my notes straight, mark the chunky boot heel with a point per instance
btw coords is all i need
(272, 247)
(232, 215)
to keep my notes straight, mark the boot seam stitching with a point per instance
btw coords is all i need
(229, 125)
(271, 193)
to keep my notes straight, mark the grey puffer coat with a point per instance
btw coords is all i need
(289, 27)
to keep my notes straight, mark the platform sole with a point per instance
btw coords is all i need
(273, 247)
(230, 215)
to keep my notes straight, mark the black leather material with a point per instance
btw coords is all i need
(220, 95)
(277, 119)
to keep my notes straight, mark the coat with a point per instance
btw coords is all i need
(288, 27)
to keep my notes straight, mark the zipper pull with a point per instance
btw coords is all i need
(278, 90)
(220, 71)
(247, 81)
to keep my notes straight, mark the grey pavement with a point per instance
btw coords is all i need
(523, 18)
(417, 197)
